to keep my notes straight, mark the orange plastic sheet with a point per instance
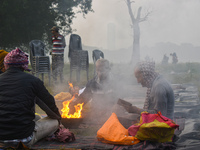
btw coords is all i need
(113, 132)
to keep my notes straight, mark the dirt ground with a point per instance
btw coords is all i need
(134, 94)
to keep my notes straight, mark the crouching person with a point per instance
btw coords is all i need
(19, 92)
(159, 96)
(101, 90)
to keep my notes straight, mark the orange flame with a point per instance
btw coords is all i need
(65, 110)
(70, 85)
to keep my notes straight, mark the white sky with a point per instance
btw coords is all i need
(174, 21)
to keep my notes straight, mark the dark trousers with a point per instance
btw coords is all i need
(57, 66)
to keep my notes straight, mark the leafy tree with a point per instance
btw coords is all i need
(24, 20)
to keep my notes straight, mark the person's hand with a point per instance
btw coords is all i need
(128, 108)
(132, 109)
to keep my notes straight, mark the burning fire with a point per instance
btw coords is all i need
(70, 85)
(65, 110)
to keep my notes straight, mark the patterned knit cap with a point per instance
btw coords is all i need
(147, 68)
(16, 58)
(3, 53)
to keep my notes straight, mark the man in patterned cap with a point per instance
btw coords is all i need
(160, 95)
(18, 92)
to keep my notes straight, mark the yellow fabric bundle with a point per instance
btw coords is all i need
(3, 53)
(153, 127)
(63, 96)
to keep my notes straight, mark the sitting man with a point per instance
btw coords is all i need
(160, 95)
(101, 90)
(18, 93)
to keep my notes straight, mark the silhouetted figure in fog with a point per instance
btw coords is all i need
(101, 91)
(165, 59)
(96, 54)
(174, 58)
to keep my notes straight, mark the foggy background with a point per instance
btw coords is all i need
(173, 26)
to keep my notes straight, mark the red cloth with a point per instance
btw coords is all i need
(62, 135)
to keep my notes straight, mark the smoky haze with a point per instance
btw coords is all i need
(173, 26)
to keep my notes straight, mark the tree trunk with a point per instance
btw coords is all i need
(136, 33)
(136, 44)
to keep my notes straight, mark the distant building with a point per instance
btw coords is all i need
(111, 36)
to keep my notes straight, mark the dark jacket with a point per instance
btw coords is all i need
(18, 91)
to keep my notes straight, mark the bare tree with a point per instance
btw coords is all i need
(135, 20)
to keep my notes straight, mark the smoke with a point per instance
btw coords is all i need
(172, 27)
(170, 22)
